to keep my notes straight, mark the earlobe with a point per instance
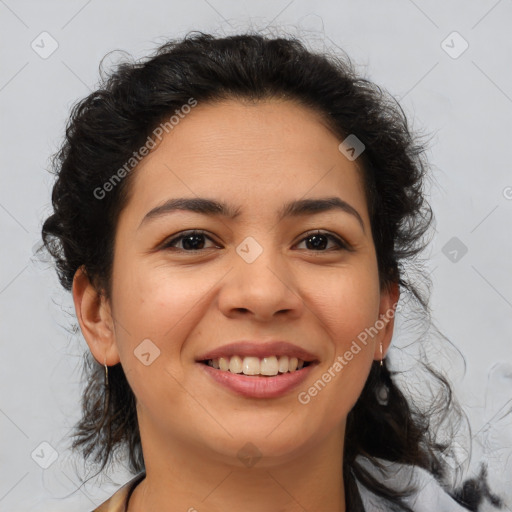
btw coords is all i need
(95, 318)
(387, 310)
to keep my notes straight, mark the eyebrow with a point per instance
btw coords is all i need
(211, 207)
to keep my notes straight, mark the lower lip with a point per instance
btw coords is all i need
(257, 386)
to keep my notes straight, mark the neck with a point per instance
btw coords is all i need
(180, 477)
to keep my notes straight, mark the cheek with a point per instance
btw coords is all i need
(158, 303)
(345, 302)
(156, 309)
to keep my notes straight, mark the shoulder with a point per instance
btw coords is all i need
(118, 501)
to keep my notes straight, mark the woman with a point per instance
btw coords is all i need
(233, 216)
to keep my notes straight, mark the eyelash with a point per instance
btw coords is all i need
(342, 245)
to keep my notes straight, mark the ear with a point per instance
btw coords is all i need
(388, 302)
(95, 317)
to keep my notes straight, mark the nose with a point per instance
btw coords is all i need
(263, 289)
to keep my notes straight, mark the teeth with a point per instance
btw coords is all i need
(283, 364)
(251, 366)
(268, 366)
(235, 365)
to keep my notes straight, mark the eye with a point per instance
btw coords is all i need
(319, 241)
(197, 240)
(190, 241)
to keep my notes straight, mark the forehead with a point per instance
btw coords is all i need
(270, 150)
(225, 129)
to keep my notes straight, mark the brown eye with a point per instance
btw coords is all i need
(319, 241)
(189, 241)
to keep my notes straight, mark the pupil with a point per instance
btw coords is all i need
(318, 241)
(193, 242)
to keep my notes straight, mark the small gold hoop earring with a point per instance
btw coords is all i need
(106, 372)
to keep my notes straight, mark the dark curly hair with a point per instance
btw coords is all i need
(105, 130)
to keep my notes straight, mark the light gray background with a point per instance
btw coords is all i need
(466, 102)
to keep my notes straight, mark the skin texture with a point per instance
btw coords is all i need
(254, 157)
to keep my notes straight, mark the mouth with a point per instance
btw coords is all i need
(258, 369)
(256, 378)
(253, 366)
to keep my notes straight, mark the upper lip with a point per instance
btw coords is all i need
(258, 349)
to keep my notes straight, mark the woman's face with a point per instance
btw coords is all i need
(258, 274)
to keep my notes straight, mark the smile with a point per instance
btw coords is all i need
(254, 366)
(257, 385)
